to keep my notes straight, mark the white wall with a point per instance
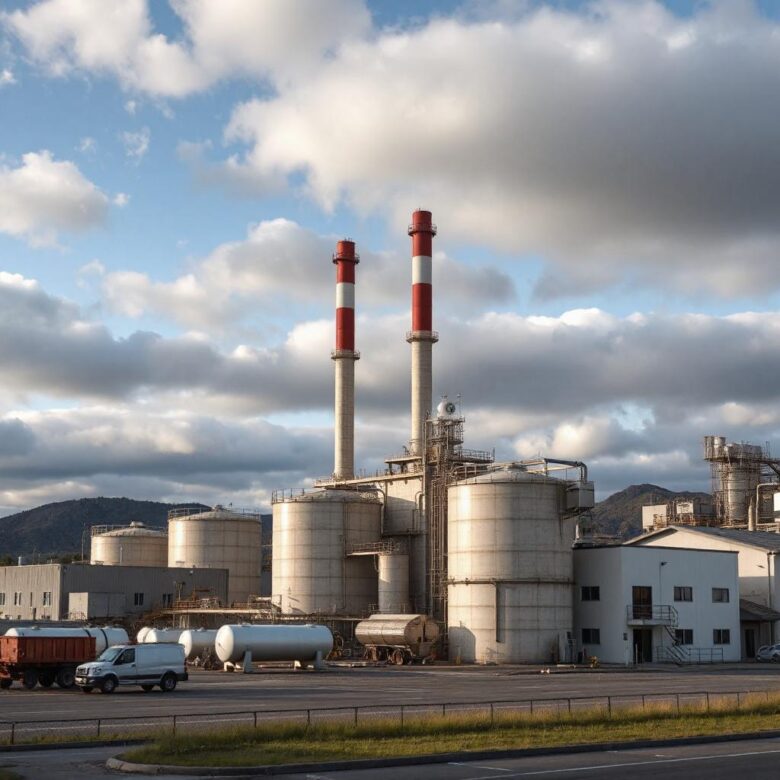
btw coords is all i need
(615, 570)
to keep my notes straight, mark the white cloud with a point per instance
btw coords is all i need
(121, 199)
(7, 77)
(136, 143)
(87, 145)
(131, 106)
(43, 196)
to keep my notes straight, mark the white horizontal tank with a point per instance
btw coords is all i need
(510, 567)
(155, 635)
(135, 545)
(303, 643)
(104, 637)
(197, 641)
(141, 635)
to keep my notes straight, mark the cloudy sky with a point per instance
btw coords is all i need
(174, 175)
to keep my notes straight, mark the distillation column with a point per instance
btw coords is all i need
(344, 357)
(422, 336)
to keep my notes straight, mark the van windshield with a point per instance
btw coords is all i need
(110, 654)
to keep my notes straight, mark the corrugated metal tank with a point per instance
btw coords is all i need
(313, 533)
(273, 643)
(196, 641)
(219, 538)
(155, 635)
(135, 545)
(104, 637)
(510, 568)
(393, 582)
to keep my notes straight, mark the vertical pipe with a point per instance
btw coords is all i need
(422, 337)
(344, 357)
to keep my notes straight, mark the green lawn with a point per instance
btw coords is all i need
(435, 734)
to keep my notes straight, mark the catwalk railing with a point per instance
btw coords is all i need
(148, 726)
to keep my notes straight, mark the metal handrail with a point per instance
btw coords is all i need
(184, 511)
(660, 612)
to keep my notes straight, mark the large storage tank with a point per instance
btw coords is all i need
(104, 637)
(155, 635)
(218, 538)
(196, 641)
(273, 643)
(135, 545)
(393, 582)
(313, 568)
(510, 568)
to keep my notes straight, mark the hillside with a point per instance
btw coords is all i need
(621, 513)
(54, 529)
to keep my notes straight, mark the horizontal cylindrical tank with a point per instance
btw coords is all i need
(314, 535)
(393, 582)
(411, 630)
(510, 567)
(135, 545)
(197, 641)
(141, 635)
(219, 539)
(273, 643)
(104, 637)
(162, 635)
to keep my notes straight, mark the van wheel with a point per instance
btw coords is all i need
(108, 685)
(168, 683)
(46, 679)
(5, 683)
(30, 679)
(86, 689)
(66, 678)
(147, 688)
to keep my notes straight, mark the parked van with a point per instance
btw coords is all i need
(145, 665)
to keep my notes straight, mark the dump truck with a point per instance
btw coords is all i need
(43, 660)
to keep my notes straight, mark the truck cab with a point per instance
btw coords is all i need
(147, 665)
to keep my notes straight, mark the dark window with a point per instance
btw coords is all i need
(720, 595)
(138, 599)
(167, 599)
(591, 636)
(591, 593)
(2, 599)
(127, 657)
(721, 636)
(683, 636)
(683, 593)
(46, 598)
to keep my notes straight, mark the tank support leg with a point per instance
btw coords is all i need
(318, 664)
(248, 662)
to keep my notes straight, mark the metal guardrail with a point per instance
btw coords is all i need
(14, 732)
(685, 654)
(658, 613)
(184, 511)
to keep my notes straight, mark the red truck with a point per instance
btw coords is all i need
(43, 660)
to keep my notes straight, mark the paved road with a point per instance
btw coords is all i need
(215, 692)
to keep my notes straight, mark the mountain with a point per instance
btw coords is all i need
(55, 529)
(621, 513)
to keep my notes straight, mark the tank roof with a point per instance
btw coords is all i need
(217, 513)
(508, 472)
(136, 529)
(335, 496)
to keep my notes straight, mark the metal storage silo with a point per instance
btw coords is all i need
(317, 537)
(510, 567)
(218, 538)
(134, 545)
(393, 583)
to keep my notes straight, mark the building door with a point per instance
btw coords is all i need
(642, 602)
(643, 645)
(750, 643)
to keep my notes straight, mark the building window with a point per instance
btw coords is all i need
(2, 599)
(591, 593)
(721, 636)
(17, 598)
(167, 599)
(683, 593)
(683, 636)
(591, 636)
(138, 599)
(46, 599)
(720, 595)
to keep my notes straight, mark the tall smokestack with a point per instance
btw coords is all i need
(344, 357)
(422, 336)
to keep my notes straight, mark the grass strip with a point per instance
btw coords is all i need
(7, 774)
(383, 738)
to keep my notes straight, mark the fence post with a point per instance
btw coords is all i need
(308, 718)
(255, 718)
(443, 710)
(98, 728)
(678, 703)
(356, 716)
(609, 706)
(13, 732)
(402, 715)
(569, 705)
(643, 702)
(532, 706)
(491, 714)
(708, 700)
(738, 701)
(174, 724)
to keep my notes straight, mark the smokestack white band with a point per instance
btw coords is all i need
(345, 295)
(422, 271)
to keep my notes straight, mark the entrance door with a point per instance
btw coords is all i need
(750, 643)
(643, 645)
(642, 602)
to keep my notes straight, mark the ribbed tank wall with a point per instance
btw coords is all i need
(219, 540)
(393, 583)
(739, 486)
(312, 535)
(510, 568)
(117, 549)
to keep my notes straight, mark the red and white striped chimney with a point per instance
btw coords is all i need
(344, 357)
(422, 336)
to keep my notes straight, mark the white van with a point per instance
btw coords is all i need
(146, 665)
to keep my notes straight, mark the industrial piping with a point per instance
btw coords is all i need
(344, 357)
(422, 336)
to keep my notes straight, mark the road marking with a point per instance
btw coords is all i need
(687, 759)
(477, 766)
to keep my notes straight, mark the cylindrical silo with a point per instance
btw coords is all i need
(135, 545)
(510, 568)
(196, 641)
(273, 643)
(313, 570)
(218, 538)
(393, 582)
